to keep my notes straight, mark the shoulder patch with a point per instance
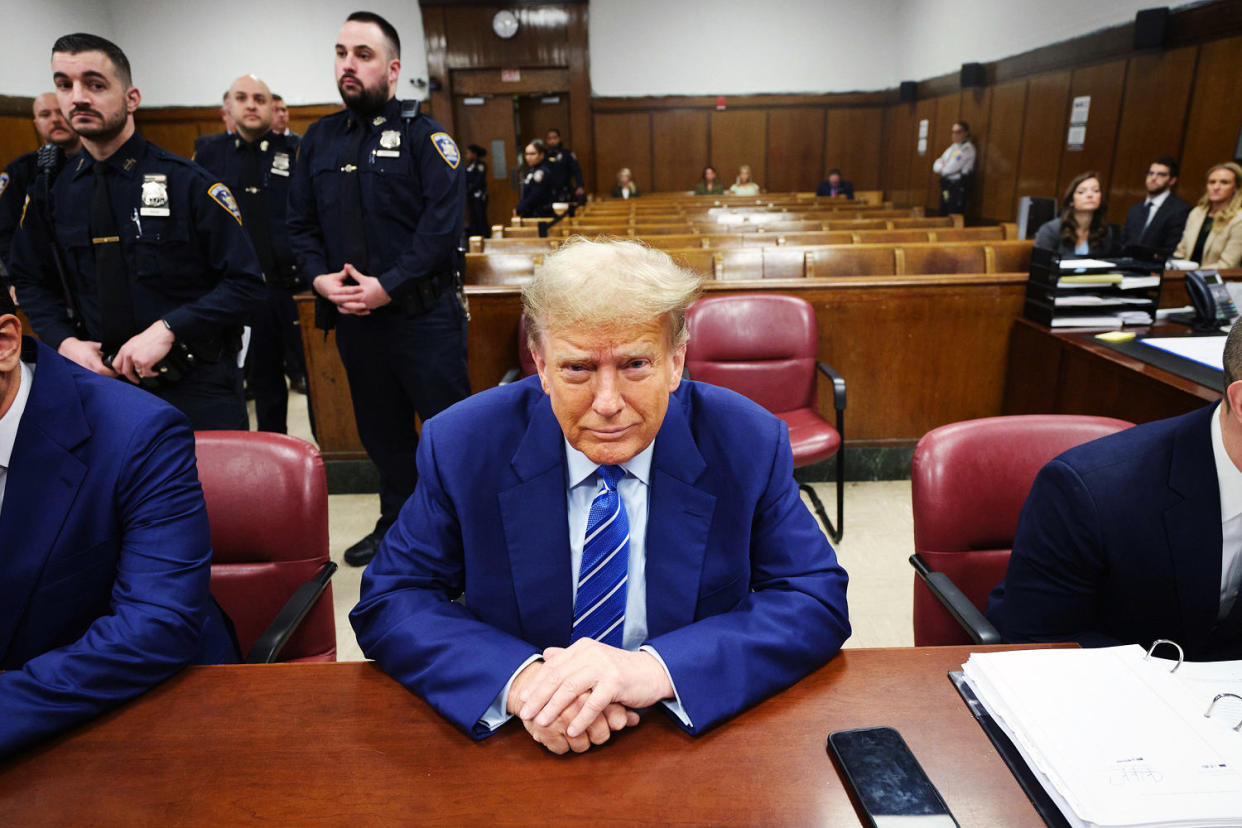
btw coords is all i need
(537, 175)
(221, 195)
(447, 149)
(21, 222)
(4, 182)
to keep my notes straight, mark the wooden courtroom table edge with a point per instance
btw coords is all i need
(299, 743)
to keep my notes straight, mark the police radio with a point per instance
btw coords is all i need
(49, 159)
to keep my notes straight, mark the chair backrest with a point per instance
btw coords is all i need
(784, 263)
(925, 259)
(267, 501)
(739, 263)
(762, 346)
(851, 260)
(1011, 256)
(501, 268)
(968, 482)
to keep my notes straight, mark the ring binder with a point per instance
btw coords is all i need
(1160, 641)
(1219, 696)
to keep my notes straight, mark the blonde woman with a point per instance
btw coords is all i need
(1213, 234)
(744, 186)
(625, 187)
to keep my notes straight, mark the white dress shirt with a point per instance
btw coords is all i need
(1155, 202)
(1230, 480)
(956, 161)
(581, 487)
(10, 421)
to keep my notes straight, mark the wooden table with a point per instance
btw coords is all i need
(1061, 372)
(344, 744)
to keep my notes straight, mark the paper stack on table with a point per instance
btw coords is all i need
(1117, 739)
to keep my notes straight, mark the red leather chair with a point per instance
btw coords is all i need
(968, 482)
(267, 500)
(765, 347)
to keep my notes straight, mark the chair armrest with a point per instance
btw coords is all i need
(978, 627)
(270, 644)
(838, 384)
(512, 375)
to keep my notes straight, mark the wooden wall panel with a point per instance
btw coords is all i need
(899, 137)
(1215, 112)
(739, 136)
(542, 37)
(622, 139)
(1157, 92)
(795, 149)
(1105, 83)
(999, 150)
(975, 108)
(679, 148)
(1043, 134)
(853, 143)
(17, 137)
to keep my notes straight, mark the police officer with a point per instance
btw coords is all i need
(537, 195)
(156, 275)
(476, 192)
(257, 165)
(567, 181)
(955, 166)
(21, 172)
(376, 209)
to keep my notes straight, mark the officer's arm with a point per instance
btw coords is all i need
(229, 255)
(302, 219)
(34, 275)
(575, 171)
(439, 225)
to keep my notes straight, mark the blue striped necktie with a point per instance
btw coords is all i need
(599, 607)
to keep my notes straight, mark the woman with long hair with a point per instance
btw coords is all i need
(743, 186)
(1213, 234)
(1082, 228)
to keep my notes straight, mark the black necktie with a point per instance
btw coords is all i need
(254, 210)
(116, 309)
(351, 201)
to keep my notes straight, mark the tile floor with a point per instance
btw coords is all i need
(878, 539)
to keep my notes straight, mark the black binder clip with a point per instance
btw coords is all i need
(1219, 696)
(1157, 643)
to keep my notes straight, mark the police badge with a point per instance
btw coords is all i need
(390, 139)
(280, 164)
(154, 195)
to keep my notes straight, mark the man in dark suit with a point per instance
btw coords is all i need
(620, 538)
(835, 186)
(104, 548)
(1136, 536)
(1159, 220)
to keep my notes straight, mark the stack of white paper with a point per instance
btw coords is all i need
(1119, 740)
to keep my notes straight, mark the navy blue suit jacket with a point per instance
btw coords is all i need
(104, 552)
(744, 594)
(1119, 542)
(845, 188)
(1165, 229)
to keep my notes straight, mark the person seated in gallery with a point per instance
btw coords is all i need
(1082, 230)
(1213, 234)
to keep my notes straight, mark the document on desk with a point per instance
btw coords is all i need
(1208, 350)
(1117, 739)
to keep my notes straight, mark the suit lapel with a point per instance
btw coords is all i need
(535, 515)
(678, 523)
(43, 481)
(1192, 525)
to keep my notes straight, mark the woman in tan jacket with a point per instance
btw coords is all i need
(1213, 234)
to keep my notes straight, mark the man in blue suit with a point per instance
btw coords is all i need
(835, 186)
(605, 536)
(104, 547)
(1136, 536)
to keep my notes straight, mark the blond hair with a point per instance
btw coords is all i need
(608, 284)
(1235, 204)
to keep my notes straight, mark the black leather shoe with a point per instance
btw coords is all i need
(298, 384)
(361, 553)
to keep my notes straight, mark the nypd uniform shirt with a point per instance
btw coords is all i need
(189, 261)
(569, 174)
(537, 195)
(224, 156)
(14, 182)
(413, 192)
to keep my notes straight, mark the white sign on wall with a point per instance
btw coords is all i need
(1079, 111)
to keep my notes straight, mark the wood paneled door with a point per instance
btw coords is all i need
(487, 120)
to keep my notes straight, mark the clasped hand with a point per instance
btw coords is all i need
(358, 299)
(579, 695)
(137, 358)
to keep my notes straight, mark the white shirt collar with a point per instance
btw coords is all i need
(13, 417)
(1159, 200)
(581, 467)
(1227, 474)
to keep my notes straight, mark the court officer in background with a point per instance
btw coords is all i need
(106, 553)
(567, 181)
(376, 212)
(257, 164)
(152, 276)
(955, 166)
(22, 170)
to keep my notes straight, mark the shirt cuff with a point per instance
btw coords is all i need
(674, 705)
(496, 715)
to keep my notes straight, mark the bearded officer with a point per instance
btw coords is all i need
(151, 277)
(257, 164)
(376, 209)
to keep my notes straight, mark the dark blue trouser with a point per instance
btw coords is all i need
(211, 395)
(400, 365)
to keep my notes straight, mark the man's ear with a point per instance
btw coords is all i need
(10, 343)
(540, 366)
(1234, 397)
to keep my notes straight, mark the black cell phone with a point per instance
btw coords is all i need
(887, 782)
